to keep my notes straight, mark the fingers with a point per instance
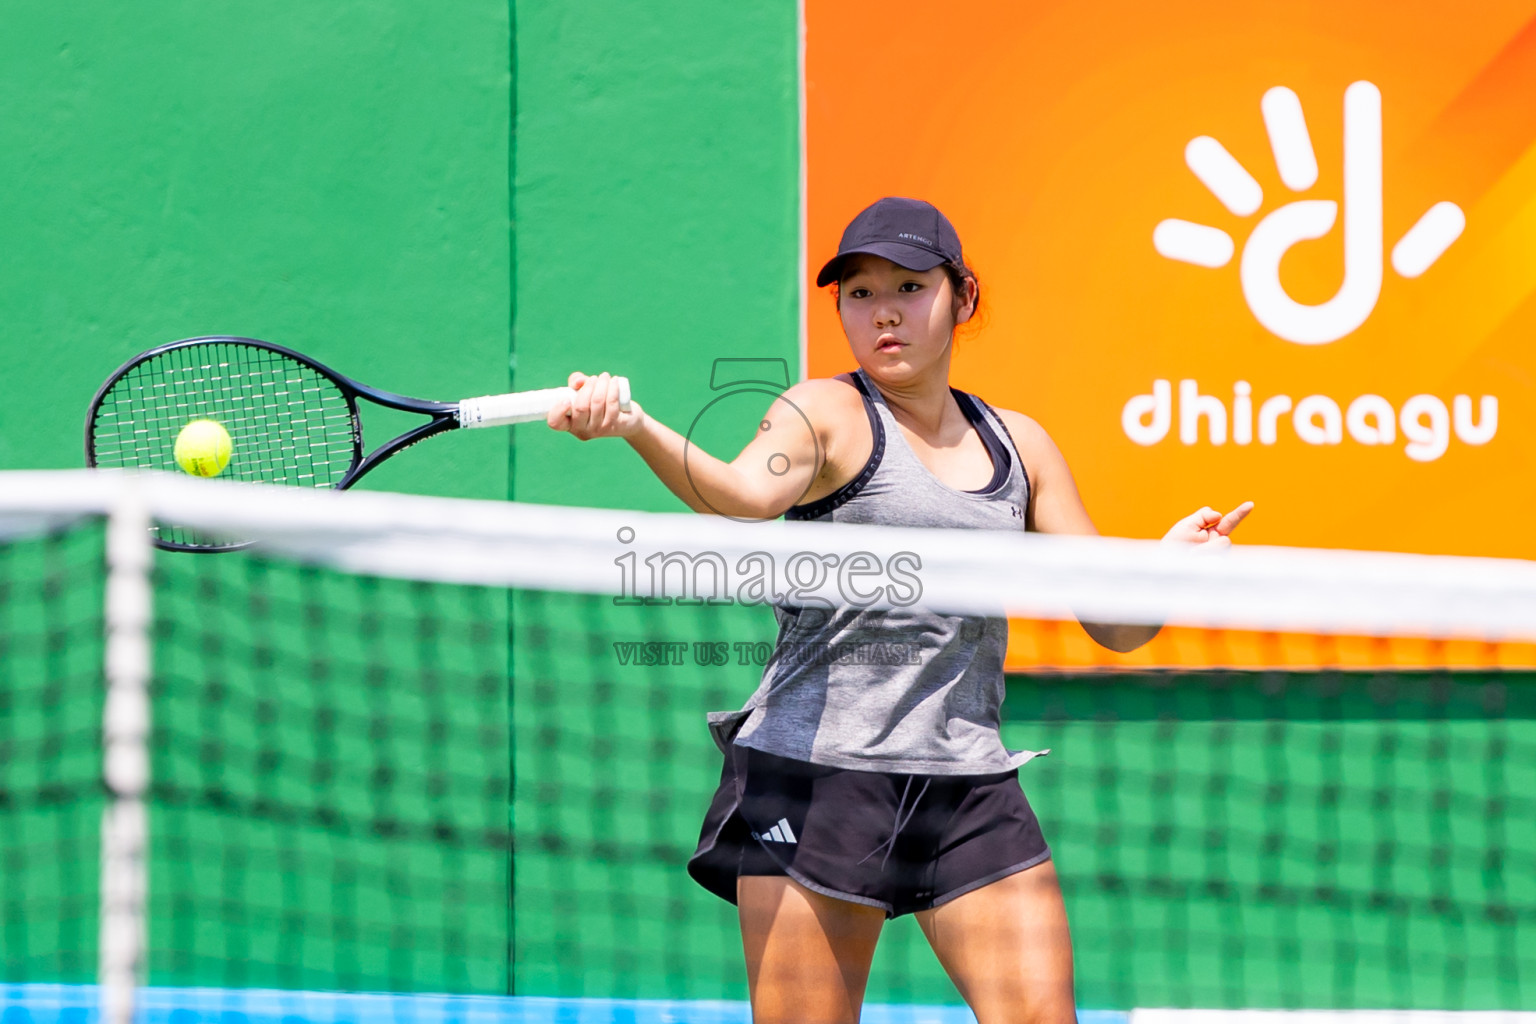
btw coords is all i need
(611, 406)
(1196, 523)
(1209, 527)
(1231, 520)
(588, 395)
(559, 417)
(593, 411)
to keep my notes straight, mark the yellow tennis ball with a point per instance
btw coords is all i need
(202, 448)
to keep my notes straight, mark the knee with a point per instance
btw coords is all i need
(1026, 1009)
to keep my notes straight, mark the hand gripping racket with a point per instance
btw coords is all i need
(290, 419)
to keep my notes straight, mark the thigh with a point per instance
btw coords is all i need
(808, 955)
(1007, 948)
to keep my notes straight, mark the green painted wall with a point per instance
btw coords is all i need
(331, 177)
(656, 206)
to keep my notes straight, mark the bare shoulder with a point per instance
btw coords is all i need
(1055, 506)
(835, 410)
(1030, 437)
(830, 405)
(825, 394)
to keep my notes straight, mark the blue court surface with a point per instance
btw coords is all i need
(76, 1004)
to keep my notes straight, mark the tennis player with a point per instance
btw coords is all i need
(856, 792)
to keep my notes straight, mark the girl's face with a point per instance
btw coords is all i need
(898, 321)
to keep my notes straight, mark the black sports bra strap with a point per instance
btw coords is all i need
(840, 497)
(1023, 468)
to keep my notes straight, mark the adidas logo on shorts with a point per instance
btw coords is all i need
(780, 833)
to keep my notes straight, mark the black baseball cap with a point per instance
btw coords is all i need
(908, 232)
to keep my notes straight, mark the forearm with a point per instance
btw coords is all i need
(703, 482)
(1205, 527)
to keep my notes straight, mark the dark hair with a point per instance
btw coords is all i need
(959, 273)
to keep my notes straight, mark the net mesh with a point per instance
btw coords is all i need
(331, 780)
(366, 784)
(51, 648)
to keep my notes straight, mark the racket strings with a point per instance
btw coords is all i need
(287, 423)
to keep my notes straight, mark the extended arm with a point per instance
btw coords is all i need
(777, 467)
(1055, 506)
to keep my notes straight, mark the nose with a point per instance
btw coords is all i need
(887, 314)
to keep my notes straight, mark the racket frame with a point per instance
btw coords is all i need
(444, 415)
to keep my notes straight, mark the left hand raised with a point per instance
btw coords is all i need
(1208, 526)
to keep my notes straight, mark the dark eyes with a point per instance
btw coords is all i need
(906, 286)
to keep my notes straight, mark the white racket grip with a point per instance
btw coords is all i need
(522, 406)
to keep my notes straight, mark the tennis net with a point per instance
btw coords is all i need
(418, 746)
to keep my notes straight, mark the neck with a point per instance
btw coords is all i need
(922, 400)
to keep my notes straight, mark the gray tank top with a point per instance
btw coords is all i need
(930, 703)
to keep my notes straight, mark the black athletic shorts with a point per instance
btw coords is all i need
(898, 842)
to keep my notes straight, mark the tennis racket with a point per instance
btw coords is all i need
(290, 419)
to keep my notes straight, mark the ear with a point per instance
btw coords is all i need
(966, 303)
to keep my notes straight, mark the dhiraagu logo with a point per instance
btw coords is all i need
(1305, 219)
(1426, 422)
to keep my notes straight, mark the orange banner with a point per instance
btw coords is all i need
(1282, 252)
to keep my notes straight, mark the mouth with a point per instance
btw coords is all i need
(889, 343)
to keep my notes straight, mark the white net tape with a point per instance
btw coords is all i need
(626, 553)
